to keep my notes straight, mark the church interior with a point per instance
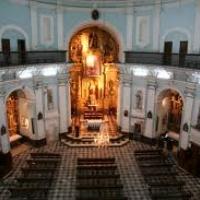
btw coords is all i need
(100, 100)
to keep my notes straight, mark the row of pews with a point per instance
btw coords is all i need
(37, 177)
(99, 179)
(160, 174)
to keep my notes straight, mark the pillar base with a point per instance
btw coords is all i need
(6, 163)
(146, 140)
(190, 159)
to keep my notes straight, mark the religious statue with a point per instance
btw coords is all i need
(92, 96)
(93, 40)
(139, 99)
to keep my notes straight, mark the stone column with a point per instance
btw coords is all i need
(68, 103)
(186, 117)
(4, 135)
(40, 111)
(119, 103)
(62, 103)
(126, 96)
(150, 109)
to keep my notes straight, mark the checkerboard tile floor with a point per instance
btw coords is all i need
(63, 187)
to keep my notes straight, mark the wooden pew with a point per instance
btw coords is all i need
(97, 167)
(149, 157)
(100, 198)
(34, 179)
(45, 155)
(159, 164)
(98, 176)
(166, 196)
(29, 191)
(152, 151)
(81, 161)
(47, 161)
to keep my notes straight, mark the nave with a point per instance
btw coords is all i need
(65, 176)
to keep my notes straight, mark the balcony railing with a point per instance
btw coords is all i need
(188, 60)
(32, 57)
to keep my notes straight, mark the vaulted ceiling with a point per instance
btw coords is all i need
(105, 3)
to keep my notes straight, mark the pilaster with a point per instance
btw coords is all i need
(34, 24)
(150, 109)
(60, 26)
(4, 137)
(68, 102)
(62, 100)
(187, 116)
(196, 41)
(156, 26)
(126, 101)
(129, 28)
(40, 108)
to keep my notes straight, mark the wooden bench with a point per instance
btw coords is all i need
(159, 173)
(99, 182)
(148, 151)
(29, 191)
(98, 176)
(97, 167)
(100, 198)
(95, 160)
(38, 169)
(163, 184)
(161, 164)
(88, 187)
(38, 160)
(45, 155)
(149, 157)
(34, 179)
(175, 196)
(111, 193)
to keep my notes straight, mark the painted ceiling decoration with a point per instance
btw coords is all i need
(102, 3)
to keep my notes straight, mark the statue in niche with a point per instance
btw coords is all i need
(49, 99)
(139, 99)
(111, 88)
(109, 50)
(76, 50)
(93, 40)
(96, 91)
(92, 94)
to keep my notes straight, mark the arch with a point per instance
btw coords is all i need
(27, 91)
(169, 88)
(159, 110)
(16, 28)
(180, 30)
(103, 25)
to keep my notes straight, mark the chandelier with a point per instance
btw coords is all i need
(102, 138)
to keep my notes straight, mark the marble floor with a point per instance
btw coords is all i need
(63, 187)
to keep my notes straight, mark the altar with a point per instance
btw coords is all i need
(94, 124)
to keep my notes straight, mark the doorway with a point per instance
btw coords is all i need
(167, 56)
(19, 115)
(169, 111)
(21, 51)
(183, 49)
(5, 43)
